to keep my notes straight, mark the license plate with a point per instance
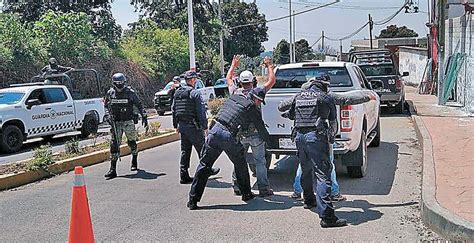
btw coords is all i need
(286, 143)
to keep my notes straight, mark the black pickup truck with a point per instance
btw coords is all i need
(381, 70)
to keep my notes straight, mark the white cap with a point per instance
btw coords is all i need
(246, 77)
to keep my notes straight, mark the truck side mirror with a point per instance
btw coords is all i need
(405, 74)
(32, 102)
(376, 84)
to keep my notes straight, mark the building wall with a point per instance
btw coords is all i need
(459, 37)
(413, 60)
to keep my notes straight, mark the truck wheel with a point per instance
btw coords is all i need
(11, 139)
(400, 106)
(376, 141)
(90, 125)
(359, 155)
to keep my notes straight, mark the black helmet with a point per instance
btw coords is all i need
(258, 93)
(118, 81)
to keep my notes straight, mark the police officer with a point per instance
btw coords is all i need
(54, 68)
(249, 137)
(316, 125)
(190, 120)
(120, 101)
(238, 111)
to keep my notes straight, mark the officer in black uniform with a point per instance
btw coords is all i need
(315, 125)
(120, 101)
(237, 112)
(190, 120)
(54, 68)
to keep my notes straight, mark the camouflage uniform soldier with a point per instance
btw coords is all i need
(120, 101)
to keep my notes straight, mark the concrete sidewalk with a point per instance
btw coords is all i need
(451, 135)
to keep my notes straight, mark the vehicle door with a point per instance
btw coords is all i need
(370, 107)
(203, 91)
(54, 114)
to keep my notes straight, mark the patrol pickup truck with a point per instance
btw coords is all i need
(38, 110)
(359, 125)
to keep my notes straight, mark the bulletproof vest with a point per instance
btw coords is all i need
(311, 110)
(185, 107)
(121, 104)
(232, 114)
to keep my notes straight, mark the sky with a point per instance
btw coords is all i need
(337, 20)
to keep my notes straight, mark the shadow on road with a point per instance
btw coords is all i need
(142, 174)
(368, 213)
(272, 203)
(214, 182)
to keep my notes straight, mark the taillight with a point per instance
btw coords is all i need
(346, 118)
(398, 84)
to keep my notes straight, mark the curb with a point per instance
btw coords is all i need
(25, 177)
(438, 218)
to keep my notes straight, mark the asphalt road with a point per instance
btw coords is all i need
(58, 141)
(151, 205)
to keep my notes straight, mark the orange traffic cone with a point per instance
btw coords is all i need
(80, 228)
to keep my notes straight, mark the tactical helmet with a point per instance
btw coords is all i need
(246, 77)
(118, 81)
(322, 77)
(176, 78)
(191, 74)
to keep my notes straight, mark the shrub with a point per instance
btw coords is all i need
(43, 156)
(214, 106)
(72, 147)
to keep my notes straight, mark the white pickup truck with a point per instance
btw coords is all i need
(38, 110)
(359, 125)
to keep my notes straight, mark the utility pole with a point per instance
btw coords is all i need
(322, 41)
(340, 50)
(291, 32)
(294, 36)
(192, 54)
(221, 36)
(441, 32)
(371, 27)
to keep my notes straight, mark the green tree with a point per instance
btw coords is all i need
(281, 53)
(303, 51)
(392, 31)
(68, 37)
(104, 25)
(244, 40)
(161, 52)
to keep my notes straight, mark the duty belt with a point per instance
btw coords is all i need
(224, 126)
(305, 130)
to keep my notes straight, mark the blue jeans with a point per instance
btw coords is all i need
(316, 167)
(334, 186)
(258, 153)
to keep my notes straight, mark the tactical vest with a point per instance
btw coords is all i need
(310, 111)
(121, 104)
(184, 106)
(232, 113)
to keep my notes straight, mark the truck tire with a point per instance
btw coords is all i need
(399, 108)
(376, 141)
(11, 139)
(90, 125)
(359, 155)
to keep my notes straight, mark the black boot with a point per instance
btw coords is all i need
(134, 163)
(333, 222)
(112, 172)
(185, 178)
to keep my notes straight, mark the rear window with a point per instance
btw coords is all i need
(10, 98)
(295, 77)
(377, 70)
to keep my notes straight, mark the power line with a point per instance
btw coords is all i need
(316, 42)
(383, 22)
(349, 7)
(284, 17)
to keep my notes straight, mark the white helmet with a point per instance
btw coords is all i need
(246, 77)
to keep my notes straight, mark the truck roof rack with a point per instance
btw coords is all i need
(372, 56)
(27, 84)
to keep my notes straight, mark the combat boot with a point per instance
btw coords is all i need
(112, 172)
(185, 178)
(134, 163)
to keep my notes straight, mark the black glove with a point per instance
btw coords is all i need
(145, 121)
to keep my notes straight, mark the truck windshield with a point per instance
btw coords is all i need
(378, 70)
(295, 77)
(168, 86)
(10, 98)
